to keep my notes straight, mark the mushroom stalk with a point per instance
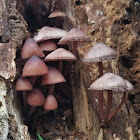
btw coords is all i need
(108, 110)
(60, 67)
(74, 48)
(120, 105)
(101, 112)
(51, 89)
(30, 113)
(33, 80)
(25, 100)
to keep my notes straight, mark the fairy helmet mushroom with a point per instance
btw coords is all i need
(109, 81)
(129, 85)
(100, 52)
(60, 54)
(23, 84)
(34, 67)
(74, 35)
(57, 13)
(31, 48)
(53, 77)
(35, 98)
(47, 33)
(50, 103)
(47, 45)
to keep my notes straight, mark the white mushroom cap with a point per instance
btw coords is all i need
(47, 33)
(109, 81)
(129, 85)
(60, 54)
(100, 52)
(57, 13)
(74, 35)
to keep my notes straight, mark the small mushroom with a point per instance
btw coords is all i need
(31, 48)
(35, 98)
(47, 46)
(53, 77)
(57, 14)
(23, 84)
(34, 67)
(109, 82)
(49, 104)
(61, 55)
(47, 33)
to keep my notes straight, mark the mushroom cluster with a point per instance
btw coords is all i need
(39, 51)
(108, 81)
(42, 49)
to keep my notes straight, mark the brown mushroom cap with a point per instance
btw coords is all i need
(50, 103)
(74, 35)
(23, 84)
(47, 33)
(35, 98)
(57, 13)
(60, 54)
(31, 48)
(129, 85)
(100, 52)
(109, 81)
(47, 45)
(34, 67)
(53, 77)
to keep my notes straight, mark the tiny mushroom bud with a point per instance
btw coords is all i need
(31, 48)
(49, 104)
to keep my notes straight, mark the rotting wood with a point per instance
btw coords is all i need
(7, 63)
(4, 28)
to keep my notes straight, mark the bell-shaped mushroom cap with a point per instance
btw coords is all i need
(60, 54)
(129, 85)
(35, 98)
(109, 81)
(100, 52)
(23, 84)
(53, 77)
(47, 33)
(31, 48)
(47, 45)
(50, 103)
(74, 35)
(34, 67)
(57, 13)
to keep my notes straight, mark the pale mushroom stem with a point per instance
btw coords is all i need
(120, 105)
(60, 67)
(101, 111)
(24, 94)
(108, 110)
(29, 114)
(51, 89)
